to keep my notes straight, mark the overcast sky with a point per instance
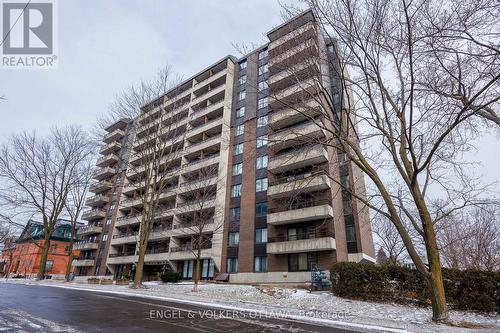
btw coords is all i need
(106, 45)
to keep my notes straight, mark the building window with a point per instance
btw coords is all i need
(262, 162)
(301, 261)
(263, 85)
(260, 264)
(232, 265)
(350, 233)
(104, 237)
(240, 112)
(237, 169)
(234, 238)
(330, 48)
(241, 95)
(261, 236)
(261, 141)
(234, 213)
(242, 79)
(263, 69)
(236, 191)
(49, 264)
(238, 149)
(261, 209)
(342, 158)
(261, 185)
(108, 221)
(262, 121)
(262, 103)
(243, 64)
(263, 54)
(239, 130)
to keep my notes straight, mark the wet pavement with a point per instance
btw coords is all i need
(32, 308)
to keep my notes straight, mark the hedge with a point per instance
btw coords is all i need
(465, 290)
(170, 277)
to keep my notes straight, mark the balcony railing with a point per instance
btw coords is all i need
(154, 250)
(127, 234)
(189, 247)
(299, 204)
(283, 180)
(299, 236)
(122, 254)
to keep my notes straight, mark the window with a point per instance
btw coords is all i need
(240, 112)
(238, 149)
(234, 238)
(242, 79)
(261, 236)
(263, 54)
(330, 48)
(262, 103)
(232, 265)
(108, 221)
(260, 264)
(241, 95)
(350, 233)
(301, 261)
(48, 265)
(263, 69)
(237, 169)
(342, 158)
(261, 209)
(104, 237)
(262, 162)
(243, 64)
(347, 205)
(236, 191)
(261, 185)
(234, 213)
(239, 129)
(263, 85)
(344, 181)
(262, 121)
(261, 141)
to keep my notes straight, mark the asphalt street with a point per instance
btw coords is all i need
(35, 308)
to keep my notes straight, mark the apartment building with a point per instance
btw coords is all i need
(94, 239)
(275, 206)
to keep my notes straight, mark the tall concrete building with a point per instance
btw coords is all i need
(94, 238)
(276, 206)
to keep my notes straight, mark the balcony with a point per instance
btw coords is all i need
(93, 214)
(125, 238)
(87, 245)
(110, 148)
(127, 220)
(293, 74)
(311, 242)
(208, 94)
(88, 262)
(290, 116)
(97, 200)
(294, 34)
(310, 155)
(308, 132)
(89, 230)
(183, 229)
(201, 163)
(294, 94)
(104, 173)
(101, 186)
(210, 79)
(128, 257)
(107, 160)
(196, 184)
(185, 252)
(115, 135)
(301, 212)
(206, 110)
(301, 183)
(204, 144)
(302, 50)
(193, 206)
(205, 127)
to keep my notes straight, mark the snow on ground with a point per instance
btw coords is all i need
(299, 302)
(20, 321)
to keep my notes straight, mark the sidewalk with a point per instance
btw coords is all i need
(319, 307)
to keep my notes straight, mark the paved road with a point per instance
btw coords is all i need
(30, 308)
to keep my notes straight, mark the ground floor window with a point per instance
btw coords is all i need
(207, 269)
(232, 265)
(187, 269)
(301, 261)
(260, 264)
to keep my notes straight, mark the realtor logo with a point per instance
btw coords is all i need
(28, 34)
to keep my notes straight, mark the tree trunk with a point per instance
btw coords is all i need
(43, 259)
(196, 276)
(68, 266)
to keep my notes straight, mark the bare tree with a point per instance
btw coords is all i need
(389, 239)
(407, 137)
(470, 239)
(76, 203)
(201, 217)
(38, 173)
(159, 136)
